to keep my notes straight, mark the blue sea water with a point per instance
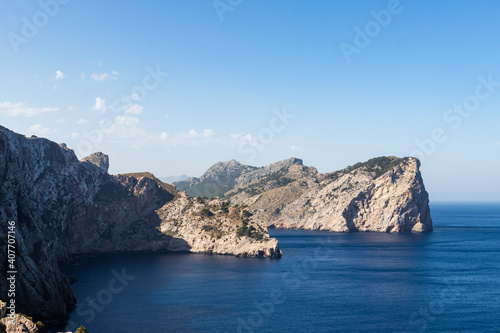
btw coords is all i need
(445, 281)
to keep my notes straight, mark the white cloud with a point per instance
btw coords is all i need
(238, 139)
(59, 75)
(125, 127)
(189, 138)
(104, 76)
(100, 104)
(99, 77)
(16, 109)
(206, 133)
(40, 130)
(81, 121)
(134, 109)
(295, 148)
(83, 75)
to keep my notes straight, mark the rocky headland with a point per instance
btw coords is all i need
(384, 194)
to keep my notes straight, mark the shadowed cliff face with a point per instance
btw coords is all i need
(63, 206)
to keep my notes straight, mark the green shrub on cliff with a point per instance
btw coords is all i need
(81, 329)
(246, 214)
(206, 212)
(246, 230)
(40, 326)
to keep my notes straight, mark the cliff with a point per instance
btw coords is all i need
(215, 226)
(359, 200)
(15, 323)
(384, 194)
(63, 206)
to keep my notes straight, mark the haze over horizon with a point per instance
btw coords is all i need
(173, 87)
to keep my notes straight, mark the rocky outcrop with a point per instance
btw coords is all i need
(62, 206)
(393, 202)
(214, 226)
(99, 159)
(19, 325)
(384, 194)
(16, 323)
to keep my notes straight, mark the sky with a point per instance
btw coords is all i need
(173, 86)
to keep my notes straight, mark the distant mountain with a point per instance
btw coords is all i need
(218, 179)
(172, 179)
(384, 194)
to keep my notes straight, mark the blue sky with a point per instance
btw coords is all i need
(79, 72)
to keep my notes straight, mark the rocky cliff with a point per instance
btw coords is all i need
(15, 323)
(63, 206)
(215, 226)
(358, 200)
(384, 194)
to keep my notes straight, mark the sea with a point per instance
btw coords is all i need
(444, 281)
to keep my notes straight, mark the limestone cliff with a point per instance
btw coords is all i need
(63, 206)
(396, 201)
(384, 194)
(215, 226)
(15, 323)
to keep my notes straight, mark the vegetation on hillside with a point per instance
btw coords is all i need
(269, 182)
(81, 329)
(377, 166)
(213, 186)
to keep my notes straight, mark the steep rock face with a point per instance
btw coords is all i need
(63, 207)
(30, 173)
(213, 226)
(121, 217)
(393, 202)
(385, 194)
(20, 325)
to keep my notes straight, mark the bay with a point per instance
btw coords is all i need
(445, 281)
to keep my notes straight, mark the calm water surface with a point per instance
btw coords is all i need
(446, 281)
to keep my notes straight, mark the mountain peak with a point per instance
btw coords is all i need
(99, 159)
(221, 167)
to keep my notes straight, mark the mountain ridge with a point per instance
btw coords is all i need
(286, 193)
